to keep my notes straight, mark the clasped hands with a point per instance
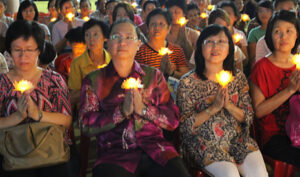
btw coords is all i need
(133, 103)
(26, 107)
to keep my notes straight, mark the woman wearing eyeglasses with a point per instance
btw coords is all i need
(48, 101)
(215, 120)
(158, 22)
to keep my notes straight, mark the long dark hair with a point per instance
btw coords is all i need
(25, 4)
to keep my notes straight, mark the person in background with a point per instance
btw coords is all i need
(124, 10)
(75, 40)
(85, 9)
(264, 13)
(3, 18)
(53, 14)
(128, 124)
(61, 28)
(109, 8)
(193, 15)
(28, 11)
(148, 6)
(181, 35)
(47, 57)
(274, 79)
(3, 64)
(100, 10)
(216, 120)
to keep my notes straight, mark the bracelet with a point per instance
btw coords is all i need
(40, 115)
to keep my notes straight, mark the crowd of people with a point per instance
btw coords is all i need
(175, 115)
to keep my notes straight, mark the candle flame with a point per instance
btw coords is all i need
(134, 5)
(182, 21)
(86, 18)
(210, 7)
(203, 15)
(237, 38)
(224, 77)
(23, 85)
(70, 16)
(53, 19)
(296, 60)
(164, 51)
(245, 17)
(131, 83)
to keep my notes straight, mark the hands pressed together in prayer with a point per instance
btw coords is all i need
(133, 103)
(166, 67)
(294, 84)
(27, 107)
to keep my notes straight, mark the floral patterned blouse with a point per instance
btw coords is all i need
(221, 137)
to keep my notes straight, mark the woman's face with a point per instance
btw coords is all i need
(85, 8)
(25, 53)
(28, 13)
(123, 42)
(94, 38)
(215, 48)
(231, 14)
(68, 7)
(177, 13)
(284, 35)
(193, 17)
(148, 9)
(110, 8)
(220, 21)
(121, 13)
(52, 9)
(264, 14)
(158, 27)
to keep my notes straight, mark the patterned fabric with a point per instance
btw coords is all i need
(271, 79)
(221, 137)
(51, 95)
(148, 56)
(121, 140)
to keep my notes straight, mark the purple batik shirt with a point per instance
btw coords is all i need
(120, 140)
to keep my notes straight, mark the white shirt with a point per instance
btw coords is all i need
(261, 49)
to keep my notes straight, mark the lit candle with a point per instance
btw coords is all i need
(70, 16)
(23, 85)
(53, 19)
(224, 77)
(134, 5)
(164, 51)
(203, 15)
(182, 21)
(86, 18)
(245, 17)
(296, 60)
(237, 38)
(210, 7)
(132, 83)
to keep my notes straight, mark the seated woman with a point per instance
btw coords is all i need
(274, 80)
(49, 101)
(128, 123)
(215, 120)
(158, 23)
(124, 10)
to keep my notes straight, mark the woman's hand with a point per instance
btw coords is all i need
(138, 102)
(22, 106)
(33, 109)
(166, 66)
(128, 104)
(294, 84)
(227, 102)
(219, 101)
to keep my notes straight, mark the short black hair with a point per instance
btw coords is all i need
(287, 16)
(25, 4)
(48, 55)
(228, 63)
(111, 1)
(124, 20)
(25, 29)
(266, 4)
(179, 3)
(62, 2)
(231, 5)
(94, 22)
(49, 2)
(276, 2)
(150, 2)
(166, 14)
(75, 35)
(193, 6)
(128, 9)
(218, 13)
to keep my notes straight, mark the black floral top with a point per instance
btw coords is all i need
(221, 137)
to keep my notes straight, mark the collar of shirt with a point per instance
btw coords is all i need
(88, 60)
(136, 69)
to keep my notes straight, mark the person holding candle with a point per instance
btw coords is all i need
(158, 23)
(53, 14)
(128, 123)
(215, 119)
(274, 79)
(48, 101)
(85, 9)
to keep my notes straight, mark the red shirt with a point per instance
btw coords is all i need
(271, 79)
(63, 64)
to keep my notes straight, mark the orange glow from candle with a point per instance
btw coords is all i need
(203, 15)
(23, 85)
(70, 16)
(296, 60)
(237, 38)
(224, 77)
(53, 19)
(245, 17)
(134, 5)
(210, 7)
(132, 83)
(182, 21)
(164, 51)
(86, 18)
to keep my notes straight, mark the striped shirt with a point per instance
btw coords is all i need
(147, 55)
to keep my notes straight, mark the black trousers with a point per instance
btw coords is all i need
(279, 147)
(146, 168)
(69, 169)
